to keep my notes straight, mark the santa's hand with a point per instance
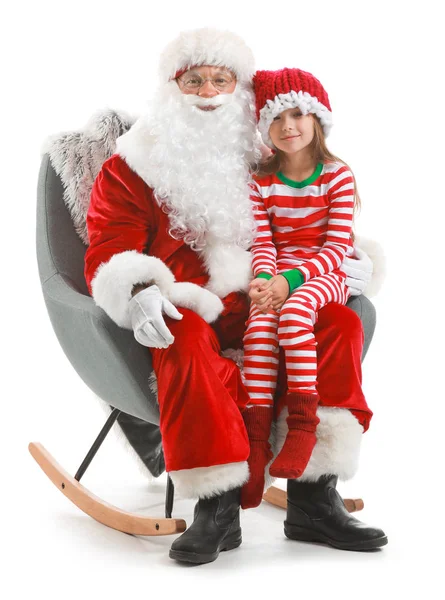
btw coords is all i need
(358, 270)
(148, 324)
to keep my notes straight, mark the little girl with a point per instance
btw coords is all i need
(303, 204)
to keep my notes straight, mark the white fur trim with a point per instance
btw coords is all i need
(207, 47)
(377, 255)
(114, 281)
(237, 355)
(302, 100)
(205, 482)
(203, 302)
(229, 267)
(337, 450)
(78, 156)
(153, 385)
(134, 146)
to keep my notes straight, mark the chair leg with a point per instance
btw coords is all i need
(278, 497)
(97, 443)
(169, 497)
(95, 507)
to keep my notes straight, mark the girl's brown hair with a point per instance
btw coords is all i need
(320, 153)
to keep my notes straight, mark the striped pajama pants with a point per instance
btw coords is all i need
(293, 329)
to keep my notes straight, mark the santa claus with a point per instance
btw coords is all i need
(170, 227)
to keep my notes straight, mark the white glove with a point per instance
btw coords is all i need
(358, 270)
(145, 309)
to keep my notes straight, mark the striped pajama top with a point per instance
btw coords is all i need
(305, 225)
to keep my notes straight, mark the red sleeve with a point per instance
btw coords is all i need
(119, 215)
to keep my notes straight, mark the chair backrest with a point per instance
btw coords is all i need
(59, 248)
(106, 357)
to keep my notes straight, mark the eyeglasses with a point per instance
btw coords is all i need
(195, 82)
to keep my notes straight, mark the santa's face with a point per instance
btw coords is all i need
(206, 82)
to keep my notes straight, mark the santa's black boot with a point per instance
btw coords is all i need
(215, 528)
(316, 513)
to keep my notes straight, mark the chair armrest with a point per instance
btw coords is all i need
(106, 357)
(366, 311)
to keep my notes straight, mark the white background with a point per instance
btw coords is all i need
(380, 63)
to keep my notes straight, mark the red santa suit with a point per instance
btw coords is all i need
(200, 392)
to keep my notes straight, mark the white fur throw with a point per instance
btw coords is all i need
(78, 156)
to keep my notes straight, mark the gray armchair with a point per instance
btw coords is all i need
(107, 358)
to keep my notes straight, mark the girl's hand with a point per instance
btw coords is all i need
(260, 295)
(279, 287)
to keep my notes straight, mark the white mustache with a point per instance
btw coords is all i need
(195, 100)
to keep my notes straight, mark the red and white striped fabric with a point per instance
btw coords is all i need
(293, 329)
(306, 227)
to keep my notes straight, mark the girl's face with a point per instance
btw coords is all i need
(292, 131)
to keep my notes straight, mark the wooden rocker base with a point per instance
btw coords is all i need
(278, 498)
(95, 507)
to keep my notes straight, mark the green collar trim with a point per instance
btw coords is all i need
(300, 184)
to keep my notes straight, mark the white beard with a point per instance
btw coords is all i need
(199, 165)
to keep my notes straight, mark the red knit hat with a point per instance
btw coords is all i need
(276, 91)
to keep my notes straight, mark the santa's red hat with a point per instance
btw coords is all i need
(276, 91)
(207, 47)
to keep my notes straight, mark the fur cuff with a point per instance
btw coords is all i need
(337, 450)
(114, 281)
(205, 482)
(375, 252)
(203, 302)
